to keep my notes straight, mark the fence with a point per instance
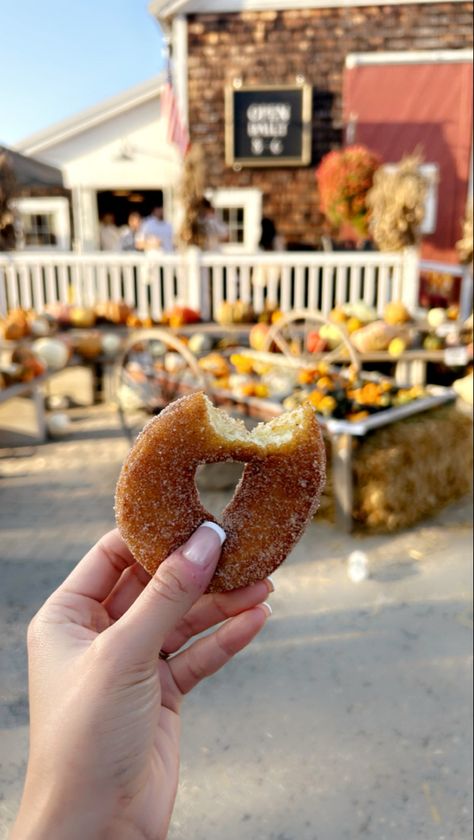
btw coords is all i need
(152, 283)
(464, 272)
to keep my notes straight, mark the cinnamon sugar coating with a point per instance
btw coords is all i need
(158, 506)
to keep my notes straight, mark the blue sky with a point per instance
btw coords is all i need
(59, 57)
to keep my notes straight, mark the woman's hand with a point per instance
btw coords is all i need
(104, 708)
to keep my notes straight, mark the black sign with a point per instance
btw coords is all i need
(269, 126)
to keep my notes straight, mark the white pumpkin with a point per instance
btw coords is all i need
(52, 351)
(174, 362)
(58, 425)
(111, 344)
(436, 317)
(40, 327)
(200, 343)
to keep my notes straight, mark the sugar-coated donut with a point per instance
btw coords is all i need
(158, 507)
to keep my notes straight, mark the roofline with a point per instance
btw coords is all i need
(408, 57)
(165, 9)
(90, 117)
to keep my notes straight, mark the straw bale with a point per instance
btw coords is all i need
(411, 469)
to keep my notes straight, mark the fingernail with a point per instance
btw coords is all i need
(270, 584)
(267, 608)
(218, 530)
(204, 547)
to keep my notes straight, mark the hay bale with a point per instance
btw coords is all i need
(411, 469)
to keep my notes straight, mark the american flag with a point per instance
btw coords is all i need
(177, 130)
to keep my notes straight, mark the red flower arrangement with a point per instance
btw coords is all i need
(344, 178)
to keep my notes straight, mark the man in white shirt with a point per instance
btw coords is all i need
(155, 233)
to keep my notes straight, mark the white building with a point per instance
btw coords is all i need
(115, 157)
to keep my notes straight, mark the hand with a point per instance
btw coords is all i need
(104, 708)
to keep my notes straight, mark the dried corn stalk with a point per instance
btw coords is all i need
(7, 190)
(191, 194)
(464, 245)
(397, 203)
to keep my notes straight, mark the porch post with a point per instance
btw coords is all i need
(85, 219)
(411, 278)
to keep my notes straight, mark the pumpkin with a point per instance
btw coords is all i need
(239, 312)
(111, 344)
(200, 343)
(16, 325)
(225, 314)
(82, 317)
(58, 424)
(338, 315)
(436, 317)
(13, 331)
(377, 336)
(215, 364)
(179, 316)
(396, 313)
(118, 312)
(88, 346)
(258, 336)
(52, 351)
(332, 335)
(243, 312)
(40, 325)
(31, 365)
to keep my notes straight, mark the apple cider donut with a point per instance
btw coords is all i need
(158, 506)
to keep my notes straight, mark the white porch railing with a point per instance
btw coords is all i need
(462, 271)
(153, 283)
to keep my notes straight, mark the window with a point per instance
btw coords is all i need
(38, 229)
(241, 211)
(44, 222)
(234, 218)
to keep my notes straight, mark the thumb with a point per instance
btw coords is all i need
(176, 585)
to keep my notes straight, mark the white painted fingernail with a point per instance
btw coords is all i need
(272, 583)
(204, 547)
(267, 608)
(218, 530)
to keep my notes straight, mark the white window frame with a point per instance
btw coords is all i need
(431, 173)
(251, 200)
(55, 206)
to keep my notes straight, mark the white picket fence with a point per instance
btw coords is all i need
(153, 283)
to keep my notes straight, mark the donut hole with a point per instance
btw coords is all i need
(216, 484)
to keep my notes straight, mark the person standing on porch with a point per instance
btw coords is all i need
(155, 233)
(109, 233)
(129, 233)
(213, 231)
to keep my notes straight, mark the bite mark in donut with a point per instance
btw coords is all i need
(158, 506)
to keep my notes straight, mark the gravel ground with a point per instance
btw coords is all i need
(350, 717)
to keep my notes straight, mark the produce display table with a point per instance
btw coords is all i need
(155, 387)
(410, 367)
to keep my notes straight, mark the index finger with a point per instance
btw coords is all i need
(97, 573)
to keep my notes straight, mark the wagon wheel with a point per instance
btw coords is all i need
(290, 336)
(149, 378)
